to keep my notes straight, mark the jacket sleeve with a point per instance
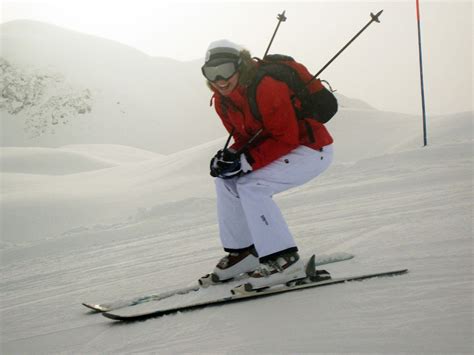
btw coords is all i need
(279, 122)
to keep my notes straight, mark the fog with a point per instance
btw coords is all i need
(381, 67)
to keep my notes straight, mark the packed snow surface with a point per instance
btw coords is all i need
(85, 224)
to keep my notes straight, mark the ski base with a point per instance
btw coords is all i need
(246, 295)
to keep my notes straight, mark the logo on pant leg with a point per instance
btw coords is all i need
(264, 219)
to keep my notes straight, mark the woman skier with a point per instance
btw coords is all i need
(270, 155)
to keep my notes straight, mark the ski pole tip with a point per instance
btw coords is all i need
(376, 16)
(281, 17)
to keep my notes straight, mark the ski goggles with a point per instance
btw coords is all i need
(222, 71)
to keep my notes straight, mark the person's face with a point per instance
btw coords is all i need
(225, 87)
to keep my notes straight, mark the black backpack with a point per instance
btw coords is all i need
(315, 101)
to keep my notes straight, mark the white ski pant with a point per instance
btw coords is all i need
(247, 214)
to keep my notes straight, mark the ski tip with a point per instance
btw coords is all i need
(113, 316)
(124, 319)
(95, 307)
(130, 318)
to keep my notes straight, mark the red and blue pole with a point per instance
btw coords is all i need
(425, 140)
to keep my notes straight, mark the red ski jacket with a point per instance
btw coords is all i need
(282, 131)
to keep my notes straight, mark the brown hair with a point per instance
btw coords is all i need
(248, 68)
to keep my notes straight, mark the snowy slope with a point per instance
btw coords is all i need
(136, 228)
(62, 87)
(123, 192)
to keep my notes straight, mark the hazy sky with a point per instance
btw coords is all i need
(381, 67)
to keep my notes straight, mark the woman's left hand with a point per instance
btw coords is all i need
(228, 164)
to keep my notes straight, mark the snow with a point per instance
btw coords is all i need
(409, 207)
(98, 222)
(72, 88)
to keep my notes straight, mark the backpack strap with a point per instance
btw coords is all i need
(272, 67)
(252, 94)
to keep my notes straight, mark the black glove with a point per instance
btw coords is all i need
(223, 161)
(227, 164)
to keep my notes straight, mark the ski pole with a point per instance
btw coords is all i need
(374, 18)
(228, 139)
(420, 54)
(281, 18)
(250, 141)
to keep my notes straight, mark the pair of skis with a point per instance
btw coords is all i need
(149, 306)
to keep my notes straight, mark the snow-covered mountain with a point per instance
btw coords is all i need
(45, 100)
(61, 87)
